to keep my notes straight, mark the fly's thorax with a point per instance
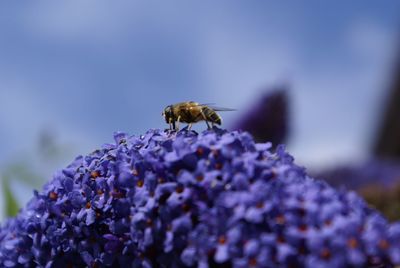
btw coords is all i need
(187, 112)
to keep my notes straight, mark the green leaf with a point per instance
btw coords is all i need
(11, 204)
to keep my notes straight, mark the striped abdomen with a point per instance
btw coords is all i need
(211, 115)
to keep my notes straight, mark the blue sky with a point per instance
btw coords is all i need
(88, 68)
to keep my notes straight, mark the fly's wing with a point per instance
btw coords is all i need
(217, 108)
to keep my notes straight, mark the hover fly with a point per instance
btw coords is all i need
(192, 112)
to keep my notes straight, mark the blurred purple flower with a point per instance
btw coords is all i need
(267, 119)
(214, 199)
(377, 180)
(374, 171)
(387, 142)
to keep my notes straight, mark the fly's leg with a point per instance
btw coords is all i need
(190, 126)
(177, 123)
(171, 124)
(205, 119)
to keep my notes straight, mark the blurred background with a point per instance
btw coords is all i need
(319, 75)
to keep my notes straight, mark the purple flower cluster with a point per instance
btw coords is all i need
(182, 199)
